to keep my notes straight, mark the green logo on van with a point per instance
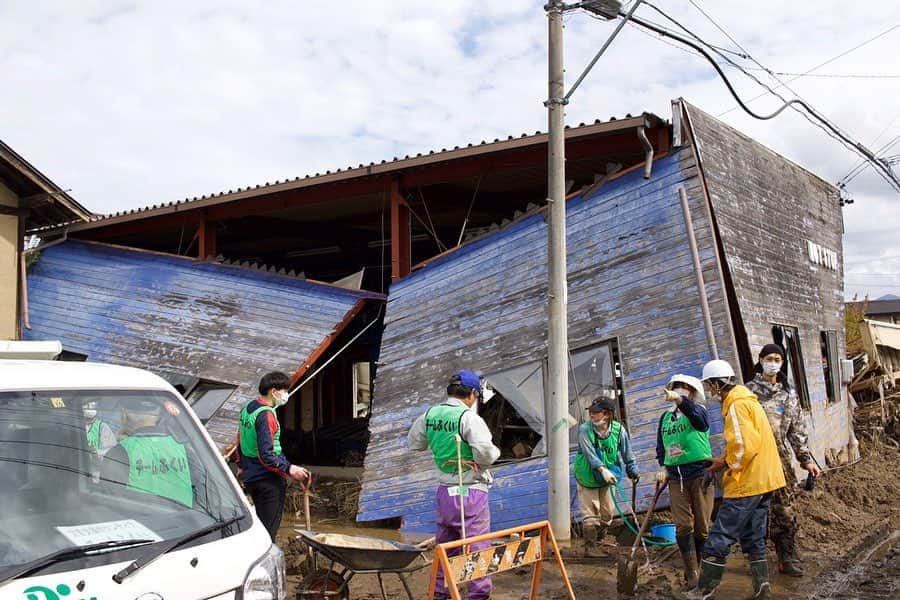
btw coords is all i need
(39, 592)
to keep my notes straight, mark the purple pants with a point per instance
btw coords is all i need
(478, 522)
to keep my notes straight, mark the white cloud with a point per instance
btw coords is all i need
(134, 104)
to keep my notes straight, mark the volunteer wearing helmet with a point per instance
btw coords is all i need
(603, 447)
(100, 436)
(436, 430)
(752, 472)
(683, 452)
(264, 469)
(782, 407)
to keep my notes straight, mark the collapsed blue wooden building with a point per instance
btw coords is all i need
(465, 233)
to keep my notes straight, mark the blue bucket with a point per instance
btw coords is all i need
(665, 531)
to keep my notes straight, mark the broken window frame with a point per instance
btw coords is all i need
(201, 390)
(831, 365)
(788, 337)
(580, 400)
(534, 419)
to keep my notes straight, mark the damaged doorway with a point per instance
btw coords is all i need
(326, 423)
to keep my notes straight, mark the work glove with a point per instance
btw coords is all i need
(608, 476)
(634, 476)
(672, 396)
(662, 476)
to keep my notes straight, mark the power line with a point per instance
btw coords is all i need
(822, 64)
(829, 75)
(829, 128)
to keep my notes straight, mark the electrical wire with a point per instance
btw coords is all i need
(827, 62)
(827, 75)
(825, 124)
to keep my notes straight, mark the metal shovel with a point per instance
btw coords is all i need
(627, 567)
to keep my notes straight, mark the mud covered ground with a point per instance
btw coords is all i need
(849, 539)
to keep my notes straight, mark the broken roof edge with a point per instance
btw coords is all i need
(528, 214)
(41, 181)
(385, 167)
(261, 270)
(687, 106)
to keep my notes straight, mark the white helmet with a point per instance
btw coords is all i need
(691, 382)
(717, 369)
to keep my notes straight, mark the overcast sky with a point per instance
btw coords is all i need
(137, 103)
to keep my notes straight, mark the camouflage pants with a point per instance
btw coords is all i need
(782, 517)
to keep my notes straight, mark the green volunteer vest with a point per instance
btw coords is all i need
(93, 435)
(249, 446)
(682, 442)
(441, 427)
(158, 465)
(608, 449)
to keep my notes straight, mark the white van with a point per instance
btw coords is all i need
(110, 489)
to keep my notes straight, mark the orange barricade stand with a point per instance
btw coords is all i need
(528, 547)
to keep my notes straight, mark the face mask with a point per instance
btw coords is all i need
(771, 367)
(281, 398)
(683, 393)
(90, 413)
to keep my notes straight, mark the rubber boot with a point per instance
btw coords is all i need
(589, 537)
(759, 569)
(788, 562)
(710, 578)
(689, 557)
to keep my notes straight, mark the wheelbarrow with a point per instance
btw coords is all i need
(356, 555)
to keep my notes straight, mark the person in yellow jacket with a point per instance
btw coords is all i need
(752, 472)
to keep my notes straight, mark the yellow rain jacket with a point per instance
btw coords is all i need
(751, 454)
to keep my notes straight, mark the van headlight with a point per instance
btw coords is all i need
(265, 580)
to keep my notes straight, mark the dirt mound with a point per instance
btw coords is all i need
(847, 501)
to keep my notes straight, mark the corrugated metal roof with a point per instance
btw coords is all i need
(432, 157)
(170, 314)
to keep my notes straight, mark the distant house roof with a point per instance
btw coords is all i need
(47, 203)
(883, 307)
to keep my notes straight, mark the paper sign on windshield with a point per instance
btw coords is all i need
(95, 533)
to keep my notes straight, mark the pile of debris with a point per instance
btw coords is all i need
(329, 499)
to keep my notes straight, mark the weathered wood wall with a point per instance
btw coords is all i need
(767, 211)
(483, 307)
(172, 314)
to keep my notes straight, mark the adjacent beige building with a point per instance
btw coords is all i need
(29, 203)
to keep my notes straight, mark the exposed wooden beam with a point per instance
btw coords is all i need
(400, 233)
(207, 238)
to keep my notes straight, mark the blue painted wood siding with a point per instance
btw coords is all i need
(172, 314)
(483, 307)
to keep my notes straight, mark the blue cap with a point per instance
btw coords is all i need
(467, 378)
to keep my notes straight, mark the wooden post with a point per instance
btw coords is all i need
(206, 242)
(400, 233)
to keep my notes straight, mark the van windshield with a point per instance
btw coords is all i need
(88, 467)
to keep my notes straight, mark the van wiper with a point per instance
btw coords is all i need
(63, 554)
(161, 548)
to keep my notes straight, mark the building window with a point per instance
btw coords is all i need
(831, 365)
(207, 397)
(596, 371)
(788, 338)
(362, 389)
(513, 409)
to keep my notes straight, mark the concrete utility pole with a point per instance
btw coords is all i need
(557, 396)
